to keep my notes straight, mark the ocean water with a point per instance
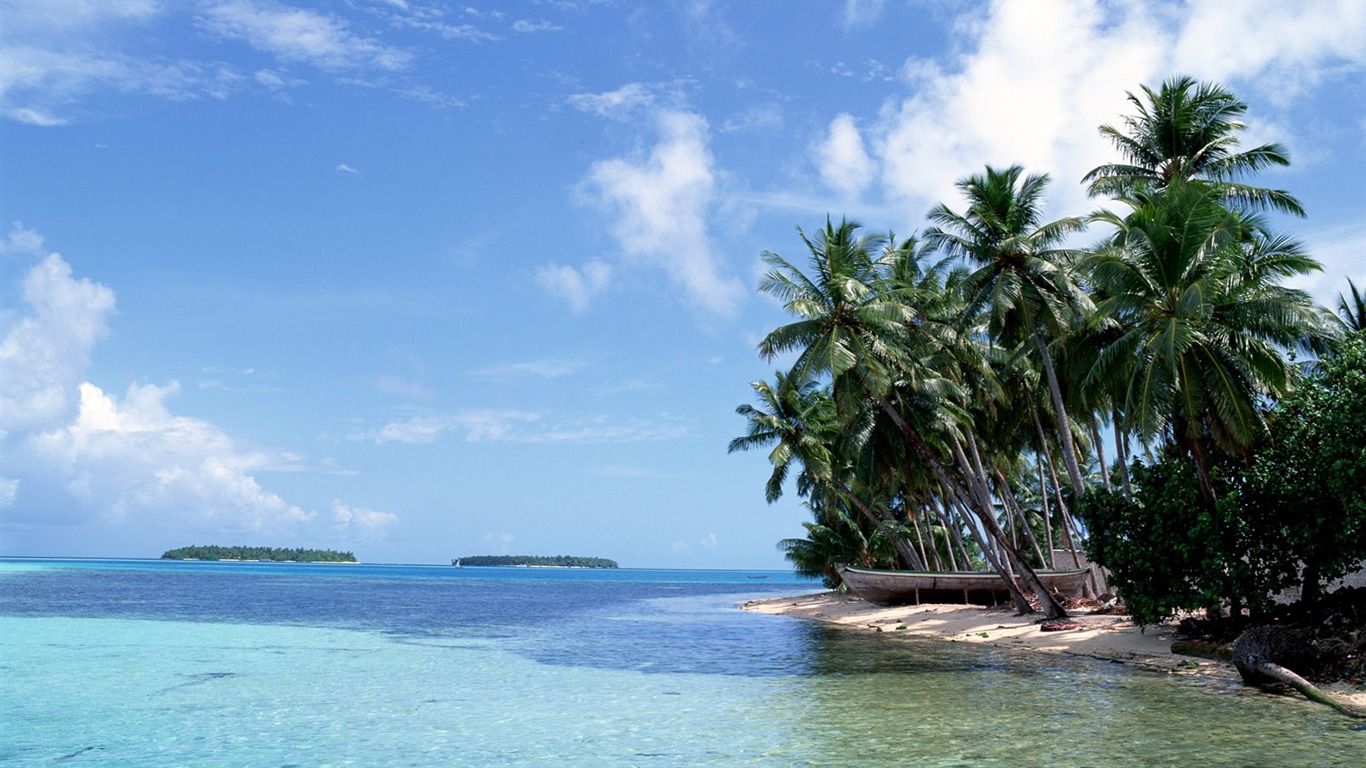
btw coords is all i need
(149, 663)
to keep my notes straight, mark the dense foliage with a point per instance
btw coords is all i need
(298, 554)
(536, 561)
(1292, 516)
(945, 397)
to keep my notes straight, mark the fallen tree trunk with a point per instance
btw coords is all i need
(1260, 654)
(1312, 692)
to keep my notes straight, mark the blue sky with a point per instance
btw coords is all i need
(421, 279)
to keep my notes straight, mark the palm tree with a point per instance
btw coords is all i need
(1023, 281)
(1189, 130)
(783, 420)
(863, 331)
(797, 418)
(1352, 313)
(838, 539)
(1194, 288)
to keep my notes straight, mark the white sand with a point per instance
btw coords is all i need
(1106, 637)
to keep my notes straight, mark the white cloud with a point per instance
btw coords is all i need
(1010, 96)
(44, 354)
(844, 163)
(756, 117)
(414, 430)
(134, 460)
(1341, 249)
(61, 16)
(661, 204)
(1013, 99)
(1284, 45)
(344, 168)
(619, 103)
(574, 286)
(361, 523)
(478, 426)
(861, 13)
(41, 83)
(526, 26)
(300, 35)
(525, 427)
(21, 242)
(546, 369)
(90, 455)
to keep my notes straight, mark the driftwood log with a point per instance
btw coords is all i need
(1268, 654)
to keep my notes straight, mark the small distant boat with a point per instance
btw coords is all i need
(757, 577)
(977, 587)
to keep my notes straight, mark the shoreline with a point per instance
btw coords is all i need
(1104, 637)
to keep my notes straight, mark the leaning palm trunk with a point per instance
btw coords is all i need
(1012, 504)
(1052, 608)
(1069, 452)
(955, 501)
(954, 538)
(982, 509)
(920, 540)
(1069, 526)
(1047, 513)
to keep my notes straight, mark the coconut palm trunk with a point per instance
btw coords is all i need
(1069, 451)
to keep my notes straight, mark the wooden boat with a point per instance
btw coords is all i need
(979, 587)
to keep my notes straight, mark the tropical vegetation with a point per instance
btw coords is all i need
(278, 554)
(535, 561)
(948, 401)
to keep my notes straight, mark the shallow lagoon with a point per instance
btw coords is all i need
(149, 664)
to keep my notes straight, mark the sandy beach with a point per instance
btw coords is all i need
(1097, 636)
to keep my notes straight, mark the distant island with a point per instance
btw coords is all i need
(277, 554)
(534, 561)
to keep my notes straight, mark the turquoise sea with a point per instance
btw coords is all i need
(161, 663)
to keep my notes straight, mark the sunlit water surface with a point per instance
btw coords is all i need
(143, 663)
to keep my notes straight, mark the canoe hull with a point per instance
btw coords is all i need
(974, 587)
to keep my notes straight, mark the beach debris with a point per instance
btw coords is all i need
(1265, 654)
(1058, 626)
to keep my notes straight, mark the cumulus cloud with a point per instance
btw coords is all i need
(44, 354)
(660, 203)
(134, 460)
(93, 457)
(844, 162)
(576, 287)
(299, 35)
(1284, 45)
(1009, 97)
